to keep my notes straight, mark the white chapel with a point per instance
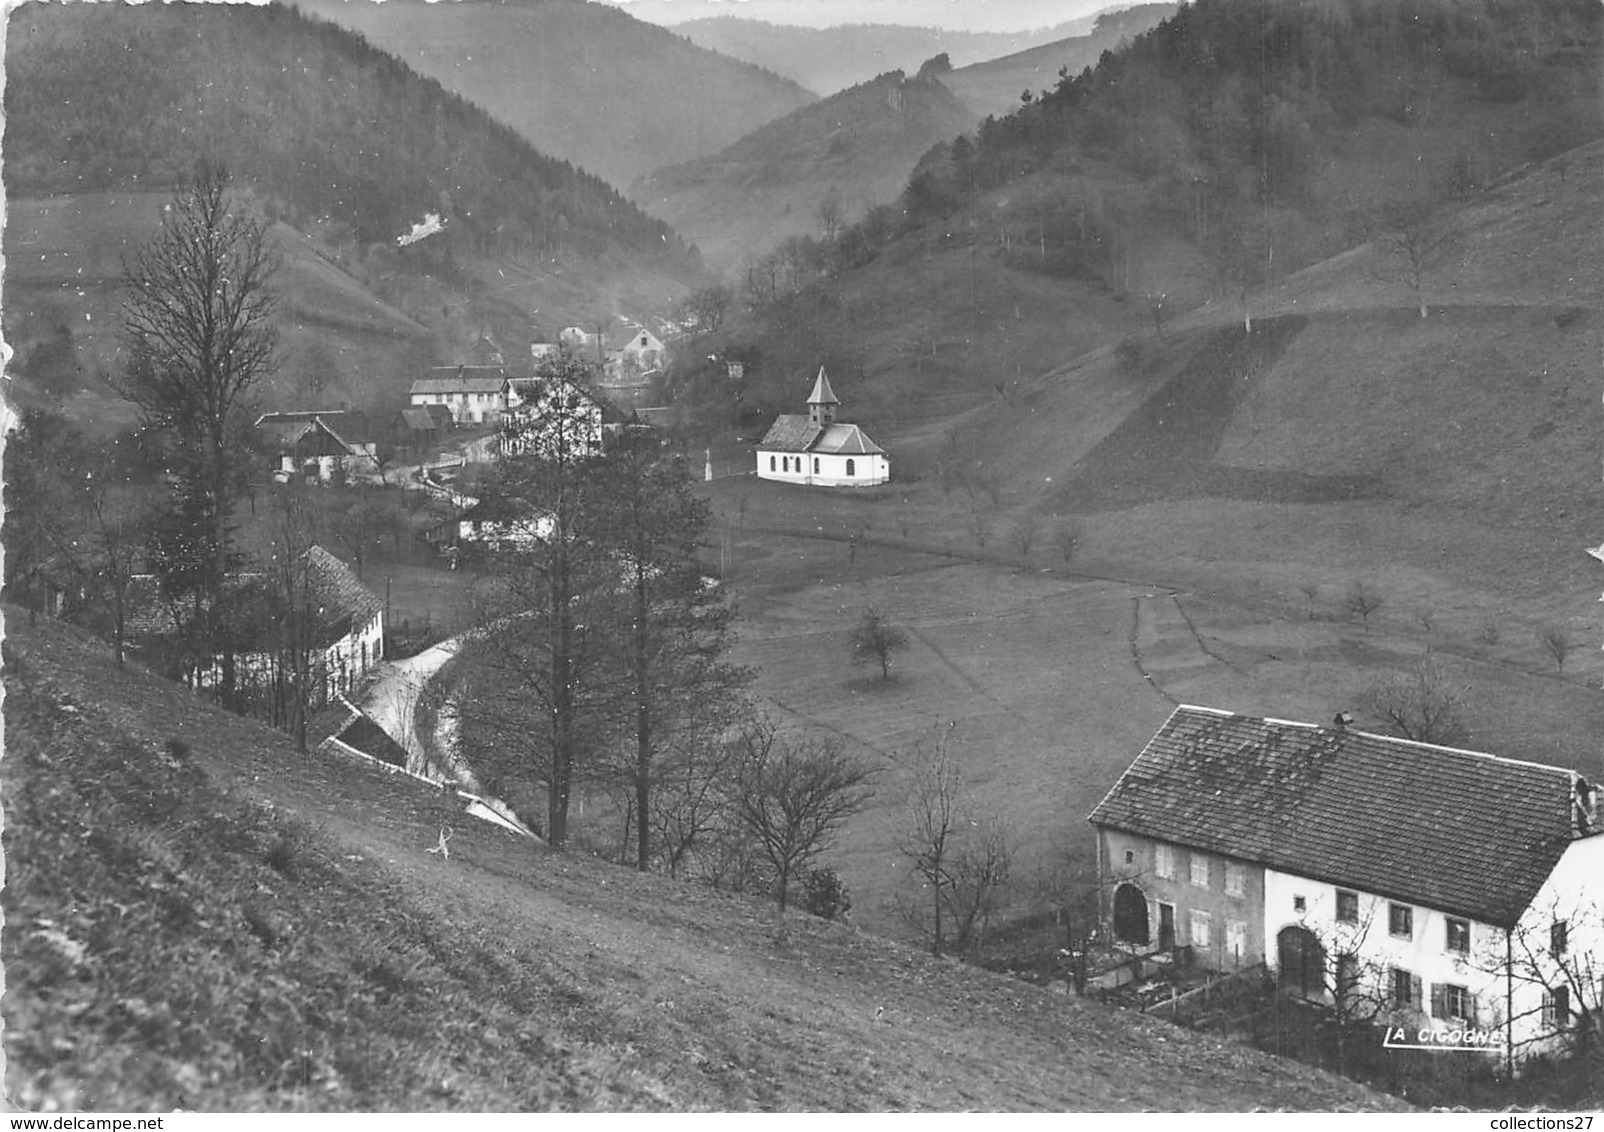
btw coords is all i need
(815, 449)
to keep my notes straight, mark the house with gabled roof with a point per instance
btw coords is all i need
(474, 394)
(818, 450)
(317, 443)
(1461, 893)
(347, 634)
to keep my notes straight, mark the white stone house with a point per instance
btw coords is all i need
(1431, 888)
(640, 355)
(474, 394)
(819, 451)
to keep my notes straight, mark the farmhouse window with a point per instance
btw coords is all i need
(1450, 1001)
(1200, 930)
(1401, 921)
(1300, 904)
(1405, 988)
(1347, 906)
(1236, 939)
(851, 467)
(771, 463)
(1200, 870)
(815, 465)
(1558, 937)
(1130, 856)
(1557, 1007)
(1459, 937)
(1236, 879)
(1164, 861)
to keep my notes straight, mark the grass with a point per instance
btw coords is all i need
(196, 917)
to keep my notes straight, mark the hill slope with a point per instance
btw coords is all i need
(109, 105)
(861, 144)
(169, 864)
(993, 86)
(831, 59)
(582, 81)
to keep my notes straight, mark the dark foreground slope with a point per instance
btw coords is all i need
(197, 917)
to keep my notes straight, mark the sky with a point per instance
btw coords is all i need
(954, 15)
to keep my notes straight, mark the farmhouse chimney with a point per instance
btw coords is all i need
(1584, 807)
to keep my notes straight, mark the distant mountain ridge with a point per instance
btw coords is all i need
(828, 60)
(581, 81)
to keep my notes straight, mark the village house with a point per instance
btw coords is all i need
(815, 449)
(422, 429)
(1442, 889)
(474, 394)
(347, 636)
(319, 444)
(553, 415)
(640, 356)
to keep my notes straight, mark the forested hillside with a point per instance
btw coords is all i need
(836, 157)
(345, 149)
(582, 81)
(328, 129)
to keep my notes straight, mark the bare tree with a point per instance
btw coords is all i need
(1067, 538)
(1023, 536)
(1421, 704)
(829, 213)
(875, 638)
(1310, 591)
(197, 324)
(1556, 642)
(1416, 241)
(980, 875)
(934, 826)
(1362, 600)
(792, 796)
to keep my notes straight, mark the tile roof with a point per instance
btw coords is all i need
(790, 432)
(1466, 833)
(845, 440)
(426, 418)
(461, 379)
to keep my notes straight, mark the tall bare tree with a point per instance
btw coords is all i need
(196, 321)
(677, 688)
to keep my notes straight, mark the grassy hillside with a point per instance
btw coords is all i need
(860, 144)
(196, 917)
(828, 60)
(993, 87)
(64, 273)
(582, 81)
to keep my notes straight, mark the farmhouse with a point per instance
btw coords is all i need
(474, 394)
(423, 428)
(815, 449)
(317, 444)
(347, 631)
(1444, 888)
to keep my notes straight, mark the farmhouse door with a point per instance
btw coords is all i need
(1130, 914)
(1302, 961)
(1166, 926)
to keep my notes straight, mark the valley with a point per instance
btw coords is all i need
(1250, 363)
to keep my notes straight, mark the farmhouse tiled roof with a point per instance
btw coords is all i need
(348, 425)
(426, 418)
(461, 379)
(790, 432)
(1467, 833)
(845, 440)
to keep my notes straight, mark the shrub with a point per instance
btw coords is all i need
(825, 894)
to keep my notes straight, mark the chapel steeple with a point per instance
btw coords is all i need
(822, 401)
